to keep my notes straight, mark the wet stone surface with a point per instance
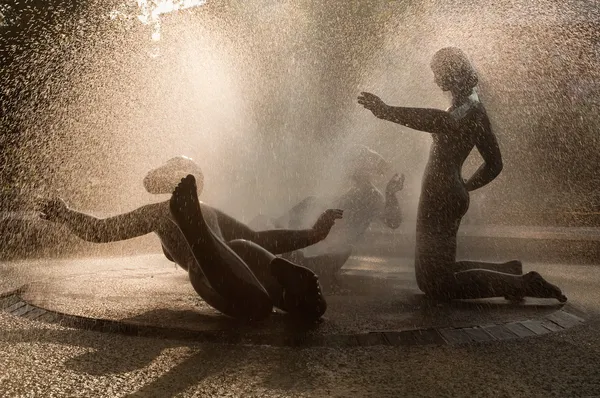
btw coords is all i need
(373, 302)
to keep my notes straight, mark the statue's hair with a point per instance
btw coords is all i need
(360, 156)
(454, 61)
(165, 178)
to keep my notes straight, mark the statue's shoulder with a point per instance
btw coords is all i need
(471, 106)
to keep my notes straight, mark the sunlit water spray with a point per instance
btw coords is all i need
(263, 96)
(150, 11)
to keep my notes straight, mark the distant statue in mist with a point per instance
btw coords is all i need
(445, 195)
(233, 268)
(362, 203)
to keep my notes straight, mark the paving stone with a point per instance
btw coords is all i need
(371, 339)
(8, 301)
(63, 320)
(519, 329)
(455, 336)
(429, 336)
(408, 337)
(15, 306)
(551, 325)
(500, 332)
(564, 319)
(294, 340)
(70, 321)
(341, 340)
(49, 317)
(535, 326)
(35, 313)
(123, 328)
(403, 338)
(393, 338)
(571, 315)
(23, 310)
(478, 334)
(107, 326)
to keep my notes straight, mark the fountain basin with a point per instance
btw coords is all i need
(375, 301)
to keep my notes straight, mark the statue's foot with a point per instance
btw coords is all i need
(514, 267)
(537, 286)
(185, 206)
(302, 293)
(515, 299)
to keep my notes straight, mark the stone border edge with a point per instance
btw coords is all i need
(560, 320)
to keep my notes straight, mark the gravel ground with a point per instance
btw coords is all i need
(40, 360)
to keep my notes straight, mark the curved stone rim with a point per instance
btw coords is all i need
(13, 303)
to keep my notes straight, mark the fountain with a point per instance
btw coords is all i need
(263, 95)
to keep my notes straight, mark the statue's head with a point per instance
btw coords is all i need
(366, 163)
(453, 70)
(164, 179)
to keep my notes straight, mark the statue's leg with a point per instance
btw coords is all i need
(435, 253)
(481, 283)
(258, 260)
(456, 214)
(226, 272)
(438, 273)
(437, 281)
(292, 287)
(302, 294)
(514, 267)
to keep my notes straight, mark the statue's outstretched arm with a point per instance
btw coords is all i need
(423, 119)
(278, 241)
(141, 221)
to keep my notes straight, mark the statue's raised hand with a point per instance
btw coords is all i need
(395, 184)
(326, 221)
(373, 103)
(52, 209)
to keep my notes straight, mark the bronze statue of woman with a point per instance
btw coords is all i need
(444, 196)
(232, 267)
